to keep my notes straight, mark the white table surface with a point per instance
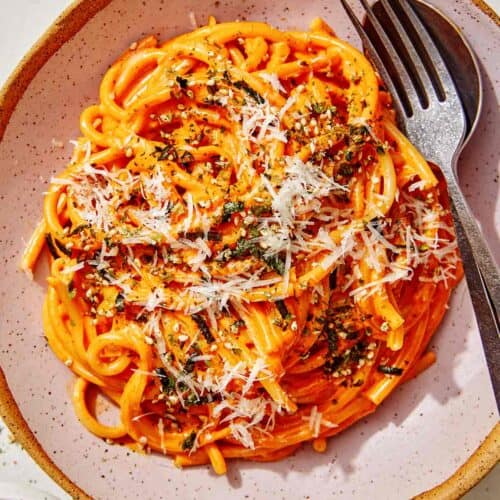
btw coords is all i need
(20, 476)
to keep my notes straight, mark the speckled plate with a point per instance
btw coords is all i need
(417, 439)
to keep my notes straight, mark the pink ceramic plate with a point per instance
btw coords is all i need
(427, 429)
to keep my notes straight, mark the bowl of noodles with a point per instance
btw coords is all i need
(233, 259)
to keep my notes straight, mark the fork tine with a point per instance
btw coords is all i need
(441, 71)
(407, 83)
(402, 108)
(416, 61)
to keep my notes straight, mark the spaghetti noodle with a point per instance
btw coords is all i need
(246, 253)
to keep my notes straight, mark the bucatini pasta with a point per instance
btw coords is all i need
(245, 252)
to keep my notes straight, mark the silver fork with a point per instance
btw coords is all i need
(431, 114)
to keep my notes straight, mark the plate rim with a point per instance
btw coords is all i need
(64, 27)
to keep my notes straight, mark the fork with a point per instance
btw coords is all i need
(431, 113)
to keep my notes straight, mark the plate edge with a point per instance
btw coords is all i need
(478, 465)
(486, 9)
(68, 24)
(14, 420)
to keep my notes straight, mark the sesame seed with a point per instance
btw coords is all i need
(183, 338)
(143, 440)
(149, 340)
(68, 362)
(249, 219)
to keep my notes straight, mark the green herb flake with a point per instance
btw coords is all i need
(203, 327)
(50, 245)
(242, 85)
(188, 442)
(120, 302)
(259, 210)
(281, 306)
(167, 381)
(71, 290)
(390, 370)
(318, 107)
(183, 82)
(168, 152)
(230, 208)
(276, 263)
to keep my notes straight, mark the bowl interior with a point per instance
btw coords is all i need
(428, 427)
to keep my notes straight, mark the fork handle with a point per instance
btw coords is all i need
(470, 231)
(482, 278)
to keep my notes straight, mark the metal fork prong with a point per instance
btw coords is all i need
(418, 64)
(395, 58)
(432, 51)
(372, 52)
